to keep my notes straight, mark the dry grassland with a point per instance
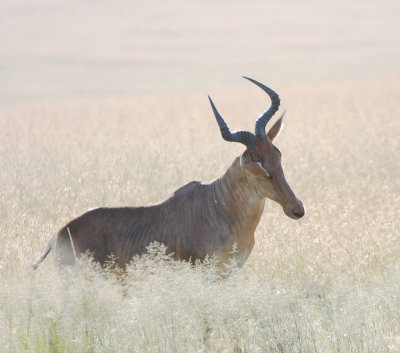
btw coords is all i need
(326, 283)
(105, 104)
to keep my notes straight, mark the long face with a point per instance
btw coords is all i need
(262, 159)
(264, 164)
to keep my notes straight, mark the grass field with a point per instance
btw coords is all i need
(326, 283)
(329, 282)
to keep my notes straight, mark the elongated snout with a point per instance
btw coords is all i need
(295, 210)
(284, 195)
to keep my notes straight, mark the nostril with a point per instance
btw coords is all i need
(298, 214)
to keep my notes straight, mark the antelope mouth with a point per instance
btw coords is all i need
(296, 212)
(297, 215)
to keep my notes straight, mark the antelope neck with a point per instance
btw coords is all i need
(238, 196)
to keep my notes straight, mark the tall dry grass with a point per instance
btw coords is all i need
(326, 283)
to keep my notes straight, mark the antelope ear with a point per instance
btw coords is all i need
(276, 128)
(256, 169)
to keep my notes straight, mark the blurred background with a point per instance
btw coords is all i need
(60, 48)
(103, 103)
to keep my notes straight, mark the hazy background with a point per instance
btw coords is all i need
(103, 103)
(59, 48)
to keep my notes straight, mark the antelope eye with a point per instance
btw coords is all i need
(269, 176)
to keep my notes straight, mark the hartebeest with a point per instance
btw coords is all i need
(199, 219)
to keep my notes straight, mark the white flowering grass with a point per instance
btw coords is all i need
(326, 283)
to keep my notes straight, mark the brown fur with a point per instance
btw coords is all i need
(198, 220)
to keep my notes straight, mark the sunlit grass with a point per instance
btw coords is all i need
(326, 283)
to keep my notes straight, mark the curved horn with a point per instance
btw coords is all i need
(267, 115)
(245, 137)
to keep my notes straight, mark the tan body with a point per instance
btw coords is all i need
(198, 220)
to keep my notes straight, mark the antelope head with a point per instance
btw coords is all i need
(262, 159)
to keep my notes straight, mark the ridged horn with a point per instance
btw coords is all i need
(245, 137)
(268, 114)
